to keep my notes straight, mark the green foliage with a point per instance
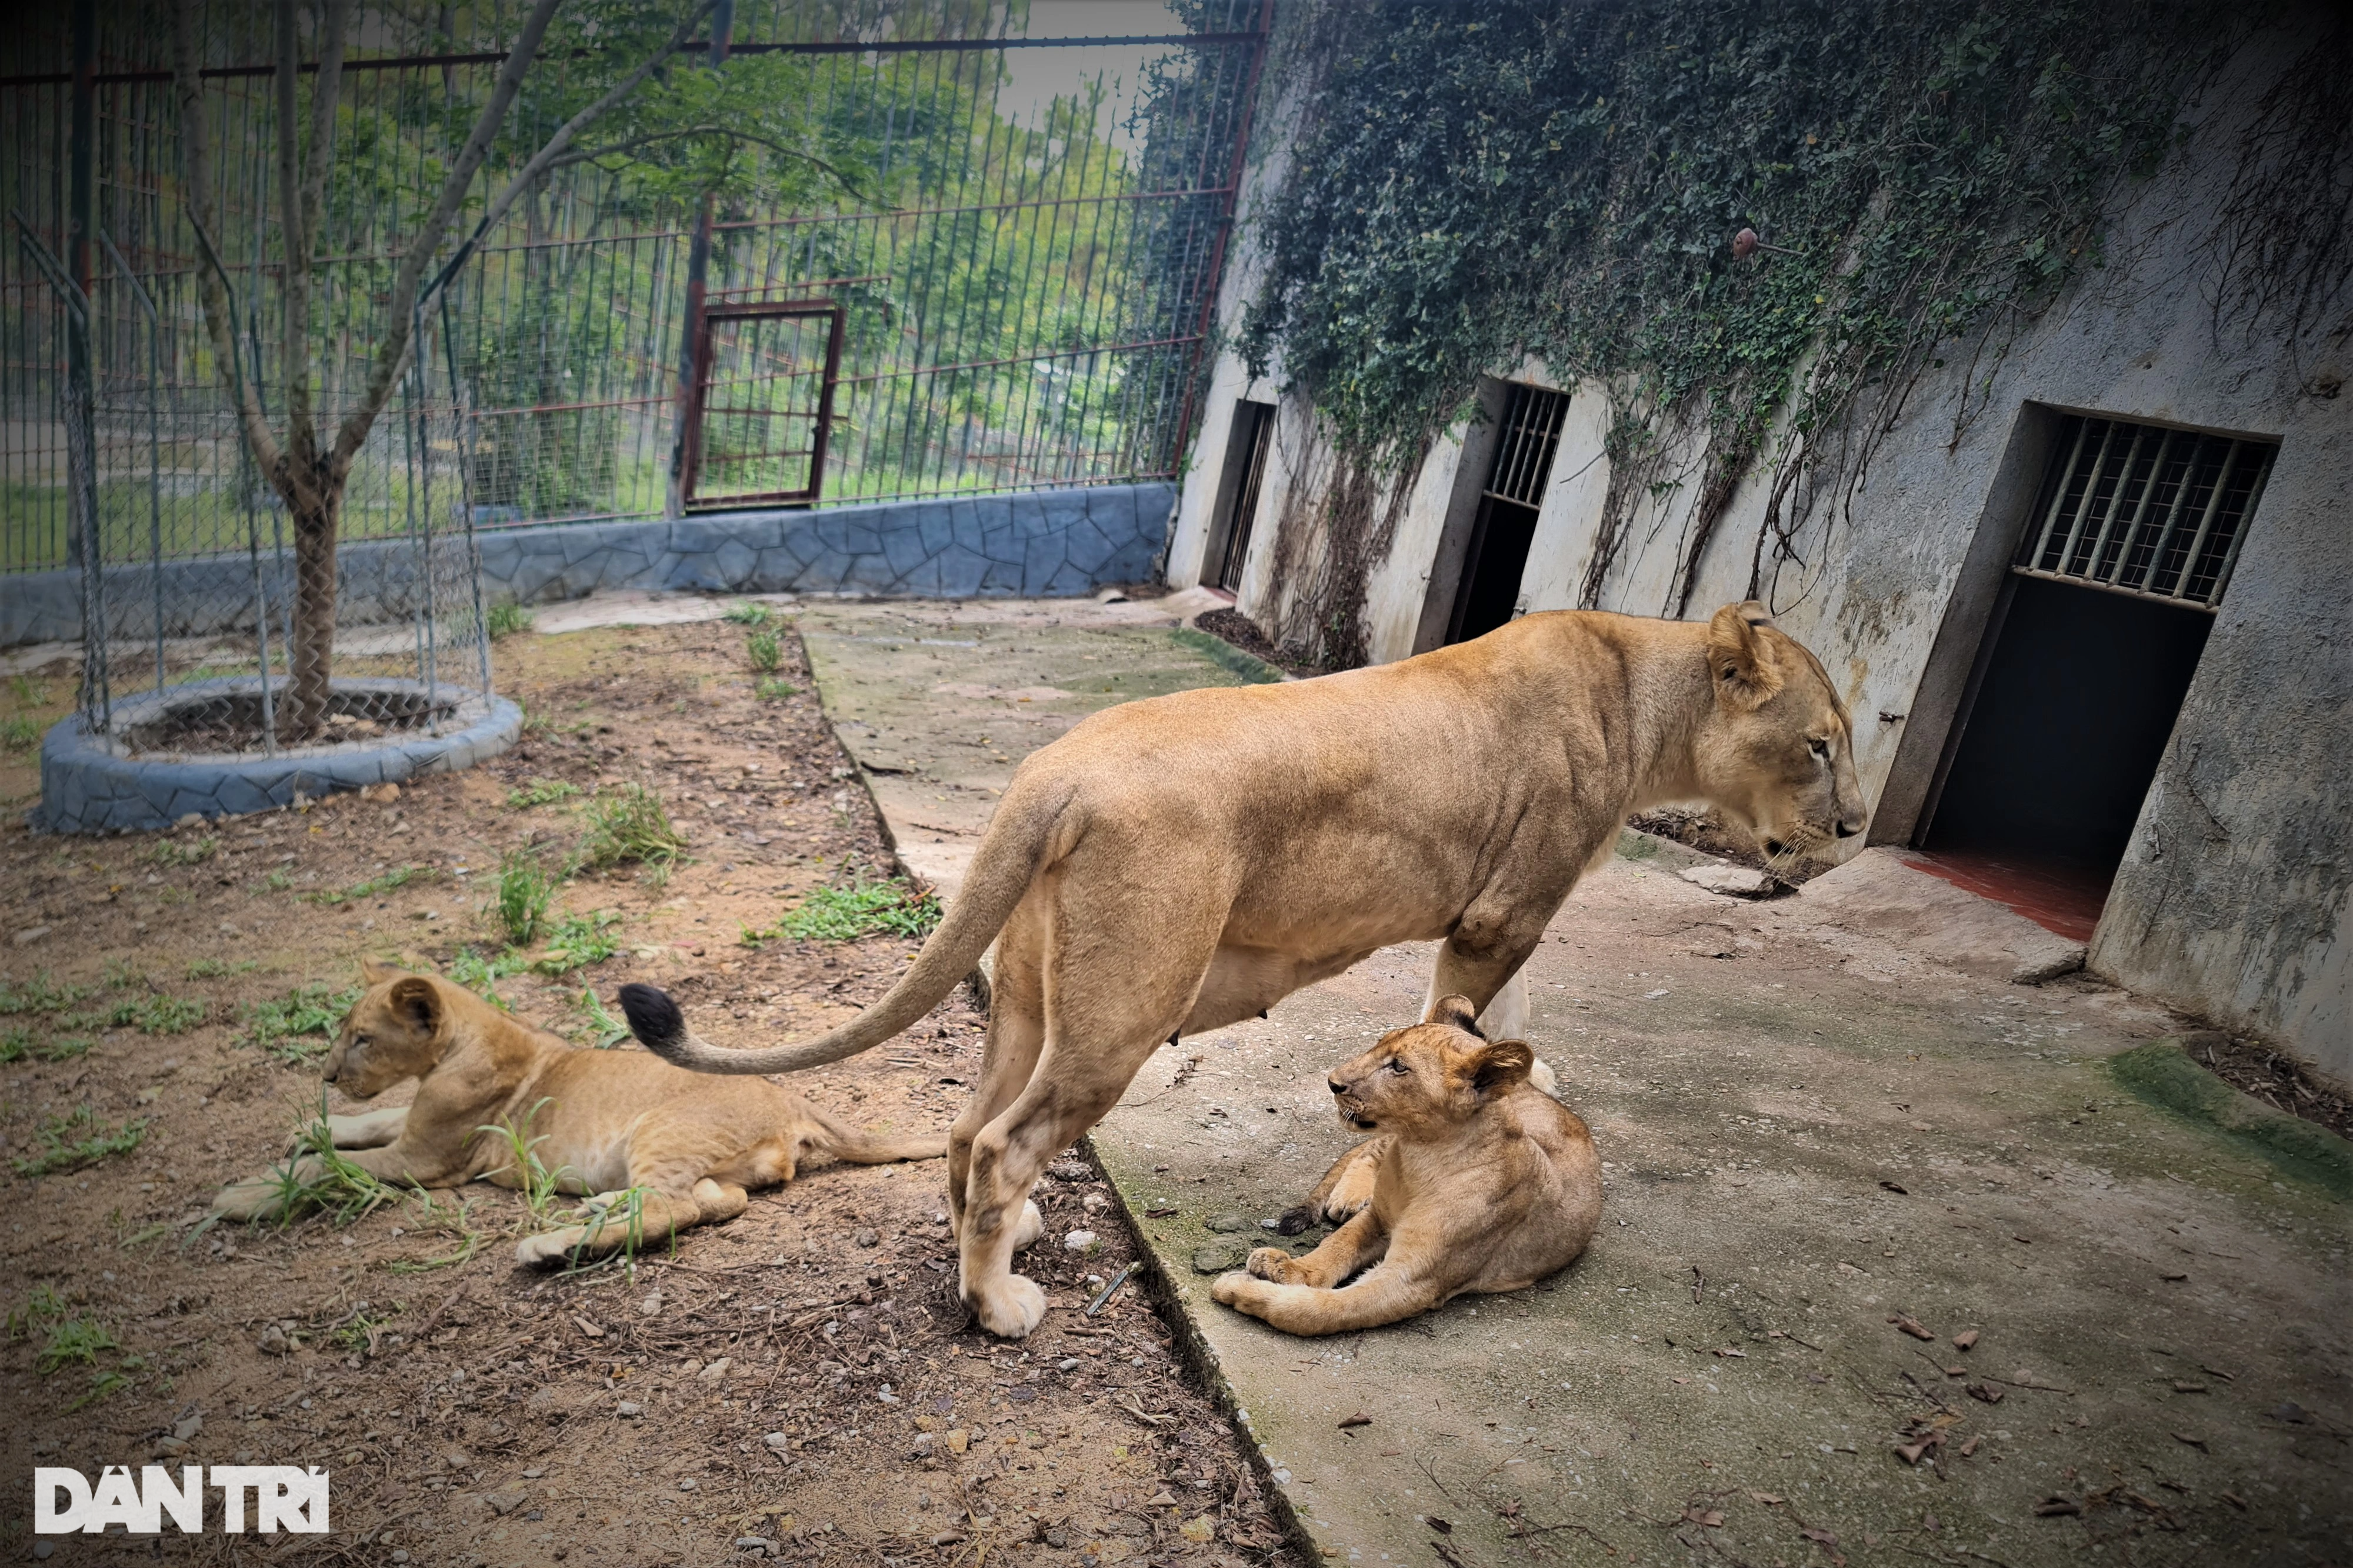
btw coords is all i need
(749, 613)
(766, 652)
(506, 618)
(480, 976)
(213, 968)
(525, 890)
(374, 886)
(173, 852)
(158, 1014)
(769, 689)
(861, 909)
(297, 1027)
(77, 1137)
(20, 731)
(541, 792)
(537, 1183)
(579, 941)
(1477, 182)
(604, 1031)
(38, 994)
(630, 826)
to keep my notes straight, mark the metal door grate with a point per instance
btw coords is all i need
(762, 416)
(2145, 510)
(1525, 447)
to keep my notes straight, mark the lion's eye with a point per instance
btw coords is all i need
(1397, 1066)
(1820, 749)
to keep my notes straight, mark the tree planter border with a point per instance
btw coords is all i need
(90, 785)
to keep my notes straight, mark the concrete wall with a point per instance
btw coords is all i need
(2235, 898)
(1035, 543)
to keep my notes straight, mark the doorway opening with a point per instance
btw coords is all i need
(2086, 660)
(1239, 484)
(1496, 557)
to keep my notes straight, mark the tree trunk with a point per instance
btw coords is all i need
(312, 658)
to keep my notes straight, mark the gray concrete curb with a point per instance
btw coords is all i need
(88, 787)
(1035, 544)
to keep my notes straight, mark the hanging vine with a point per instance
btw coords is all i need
(1475, 182)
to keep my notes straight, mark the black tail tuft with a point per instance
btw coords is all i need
(653, 1017)
(1294, 1221)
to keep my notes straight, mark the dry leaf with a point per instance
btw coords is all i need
(1910, 1325)
(1769, 1499)
(2057, 1506)
(1443, 1526)
(1965, 1340)
(1705, 1517)
(1358, 1419)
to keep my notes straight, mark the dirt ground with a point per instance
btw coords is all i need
(798, 1384)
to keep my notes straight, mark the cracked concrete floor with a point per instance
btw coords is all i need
(1809, 1137)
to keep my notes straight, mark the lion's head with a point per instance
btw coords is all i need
(394, 1032)
(1775, 751)
(1429, 1075)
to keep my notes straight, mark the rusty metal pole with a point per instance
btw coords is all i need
(698, 268)
(81, 385)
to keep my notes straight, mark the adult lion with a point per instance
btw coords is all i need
(1171, 866)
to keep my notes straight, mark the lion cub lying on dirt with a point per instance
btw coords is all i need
(606, 1122)
(1480, 1181)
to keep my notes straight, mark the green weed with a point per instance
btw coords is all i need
(579, 941)
(630, 826)
(20, 731)
(745, 613)
(44, 1305)
(63, 1048)
(525, 890)
(38, 994)
(480, 976)
(297, 1026)
(213, 968)
(771, 688)
(605, 1029)
(27, 693)
(161, 1014)
(765, 652)
(75, 1341)
(507, 617)
(374, 886)
(173, 852)
(541, 792)
(867, 909)
(537, 1183)
(69, 1141)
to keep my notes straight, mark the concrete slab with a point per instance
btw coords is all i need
(1814, 1125)
(1883, 893)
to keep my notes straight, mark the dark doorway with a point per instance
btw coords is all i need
(2070, 720)
(1238, 491)
(1495, 557)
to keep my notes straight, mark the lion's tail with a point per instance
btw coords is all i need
(846, 1143)
(1001, 873)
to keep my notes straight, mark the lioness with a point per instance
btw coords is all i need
(606, 1122)
(1480, 1181)
(1171, 866)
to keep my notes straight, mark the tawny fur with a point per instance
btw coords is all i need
(1175, 865)
(608, 1121)
(1479, 1181)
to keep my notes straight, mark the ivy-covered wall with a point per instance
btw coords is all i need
(1860, 467)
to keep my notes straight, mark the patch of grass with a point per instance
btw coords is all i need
(277, 881)
(604, 1030)
(525, 890)
(20, 731)
(44, 1305)
(865, 909)
(63, 1048)
(29, 693)
(541, 792)
(771, 688)
(539, 1184)
(69, 1141)
(765, 650)
(631, 827)
(38, 994)
(579, 941)
(745, 613)
(627, 1209)
(481, 975)
(506, 618)
(173, 852)
(1253, 669)
(296, 1027)
(398, 877)
(74, 1342)
(15, 1043)
(161, 1014)
(213, 968)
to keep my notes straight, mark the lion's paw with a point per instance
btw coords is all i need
(1269, 1263)
(256, 1197)
(1009, 1308)
(1031, 1226)
(549, 1248)
(1237, 1288)
(1540, 1074)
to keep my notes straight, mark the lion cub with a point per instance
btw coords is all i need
(608, 1122)
(1480, 1181)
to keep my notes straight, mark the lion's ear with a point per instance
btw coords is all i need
(1740, 661)
(416, 1001)
(1501, 1065)
(1456, 1012)
(376, 972)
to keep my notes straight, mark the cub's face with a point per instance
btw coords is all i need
(1427, 1077)
(393, 1032)
(1777, 751)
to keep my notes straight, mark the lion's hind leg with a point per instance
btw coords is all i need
(1384, 1295)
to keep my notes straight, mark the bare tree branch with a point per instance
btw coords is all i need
(392, 355)
(212, 284)
(326, 97)
(730, 131)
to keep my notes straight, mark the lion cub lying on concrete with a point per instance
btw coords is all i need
(1480, 1181)
(605, 1122)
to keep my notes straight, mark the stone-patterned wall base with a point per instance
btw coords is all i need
(86, 788)
(1034, 544)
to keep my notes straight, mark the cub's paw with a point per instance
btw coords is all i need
(1546, 1081)
(550, 1248)
(1270, 1263)
(1237, 1289)
(1031, 1226)
(256, 1197)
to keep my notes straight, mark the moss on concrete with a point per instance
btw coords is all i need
(2161, 1073)
(1227, 657)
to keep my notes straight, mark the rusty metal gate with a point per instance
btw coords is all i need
(762, 412)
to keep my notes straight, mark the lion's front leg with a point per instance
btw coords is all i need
(633, 1220)
(1355, 1246)
(1384, 1296)
(282, 1187)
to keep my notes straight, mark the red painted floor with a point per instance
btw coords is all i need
(2056, 895)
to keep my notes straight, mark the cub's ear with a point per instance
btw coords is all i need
(1740, 661)
(376, 972)
(416, 1001)
(1455, 1012)
(1502, 1065)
